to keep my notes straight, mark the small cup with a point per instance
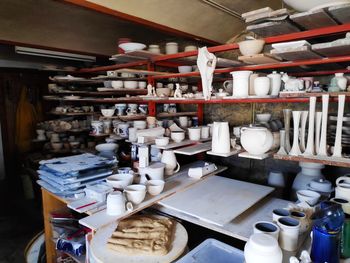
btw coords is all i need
(301, 217)
(289, 233)
(183, 121)
(135, 193)
(155, 187)
(268, 228)
(162, 141)
(278, 213)
(115, 203)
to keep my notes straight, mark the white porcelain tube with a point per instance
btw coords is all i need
(310, 146)
(282, 150)
(286, 115)
(304, 115)
(323, 140)
(295, 151)
(317, 132)
(338, 135)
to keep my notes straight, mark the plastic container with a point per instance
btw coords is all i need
(212, 250)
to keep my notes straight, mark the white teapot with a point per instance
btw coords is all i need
(256, 140)
(171, 164)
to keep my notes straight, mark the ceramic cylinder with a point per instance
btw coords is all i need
(289, 233)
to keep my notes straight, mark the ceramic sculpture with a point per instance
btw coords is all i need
(206, 63)
(310, 136)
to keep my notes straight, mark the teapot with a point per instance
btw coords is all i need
(343, 187)
(256, 140)
(171, 164)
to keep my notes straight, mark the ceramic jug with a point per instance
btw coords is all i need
(275, 83)
(256, 140)
(171, 164)
(343, 187)
(240, 83)
(221, 137)
(338, 83)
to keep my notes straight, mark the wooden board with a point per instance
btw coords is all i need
(273, 28)
(217, 200)
(140, 71)
(232, 152)
(341, 13)
(194, 149)
(259, 59)
(173, 184)
(102, 254)
(242, 226)
(331, 51)
(133, 117)
(145, 54)
(313, 19)
(176, 114)
(125, 58)
(173, 144)
(301, 53)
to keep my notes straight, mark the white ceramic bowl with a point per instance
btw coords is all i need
(177, 136)
(162, 141)
(251, 47)
(163, 92)
(117, 84)
(130, 84)
(140, 125)
(106, 147)
(263, 117)
(184, 69)
(135, 193)
(107, 112)
(311, 197)
(155, 187)
(132, 46)
(120, 181)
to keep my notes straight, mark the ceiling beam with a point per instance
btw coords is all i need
(138, 20)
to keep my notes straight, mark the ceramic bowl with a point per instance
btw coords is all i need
(117, 84)
(311, 197)
(163, 92)
(130, 84)
(177, 136)
(107, 112)
(251, 47)
(321, 185)
(120, 181)
(162, 141)
(132, 46)
(106, 147)
(140, 125)
(184, 69)
(155, 187)
(263, 117)
(135, 193)
(56, 146)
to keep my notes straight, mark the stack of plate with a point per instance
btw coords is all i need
(332, 129)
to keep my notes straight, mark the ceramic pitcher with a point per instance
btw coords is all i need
(171, 164)
(240, 83)
(221, 137)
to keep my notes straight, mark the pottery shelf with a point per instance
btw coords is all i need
(72, 113)
(340, 162)
(133, 117)
(176, 114)
(313, 94)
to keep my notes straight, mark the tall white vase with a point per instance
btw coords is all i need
(304, 115)
(240, 83)
(286, 116)
(221, 137)
(295, 151)
(282, 149)
(310, 146)
(338, 134)
(317, 132)
(323, 141)
(275, 83)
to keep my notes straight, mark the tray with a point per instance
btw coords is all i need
(259, 59)
(194, 149)
(341, 13)
(313, 19)
(273, 28)
(332, 49)
(300, 53)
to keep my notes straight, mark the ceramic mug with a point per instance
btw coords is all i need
(301, 217)
(278, 213)
(132, 109)
(96, 128)
(183, 121)
(289, 233)
(155, 187)
(155, 171)
(142, 84)
(143, 108)
(115, 203)
(205, 130)
(120, 108)
(123, 130)
(194, 133)
(268, 228)
(135, 193)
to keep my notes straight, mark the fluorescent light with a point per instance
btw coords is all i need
(53, 54)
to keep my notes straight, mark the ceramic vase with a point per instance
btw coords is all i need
(256, 140)
(309, 172)
(261, 86)
(275, 83)
(240, 83)
(310, 147)
(221, 137)
(338, 135)
(282, 149)
(295, 150)
(304, 115)
(317, 132)
(323, 140)
(286, 116)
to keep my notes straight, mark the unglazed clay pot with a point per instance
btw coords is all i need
(256, 140)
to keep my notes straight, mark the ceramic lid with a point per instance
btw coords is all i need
(263, 243)
(321, 185)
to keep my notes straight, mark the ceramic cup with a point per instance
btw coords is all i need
(268, 228)
(123, 129)
(96, 128)
(143, 108)
(177, 136)
(166, 107)
(183, 121)
(278, 213)
(155, 171)
(205, 130)
(171, 48)
(140, 124)
(261, 86)
(132, 109)
(155, 187)
(135, 193)
(142, 84)
(301, 217)
(345, 204)
(194, 133)
(120, 181)
(120, 108)
(117, 84)
(289, 233)
(162, 141)
(115, 203)
(132, 134)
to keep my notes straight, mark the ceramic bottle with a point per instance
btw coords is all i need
(275, 83)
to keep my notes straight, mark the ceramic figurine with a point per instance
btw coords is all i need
(178, 92)
(292, 84)
(206, 63)
(338, 83)
(149, 90)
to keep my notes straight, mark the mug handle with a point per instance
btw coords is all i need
(128, 110)
(177, 167)
(342, 178)
(227, 82)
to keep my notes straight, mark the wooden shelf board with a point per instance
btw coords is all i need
(342, 162)
(133, 117)
(316, 94)
(72, 113)
(168, 115)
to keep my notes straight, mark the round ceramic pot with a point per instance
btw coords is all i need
(261, 86)
(256, 140)
(171, 48)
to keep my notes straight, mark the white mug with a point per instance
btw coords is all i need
(123, 130)
(183, 121)
(278, 213)
(135, 193)
(268, 228)
(115, 203)
(155, 171)
(194, 133)
(205, 130)
(289, 233)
